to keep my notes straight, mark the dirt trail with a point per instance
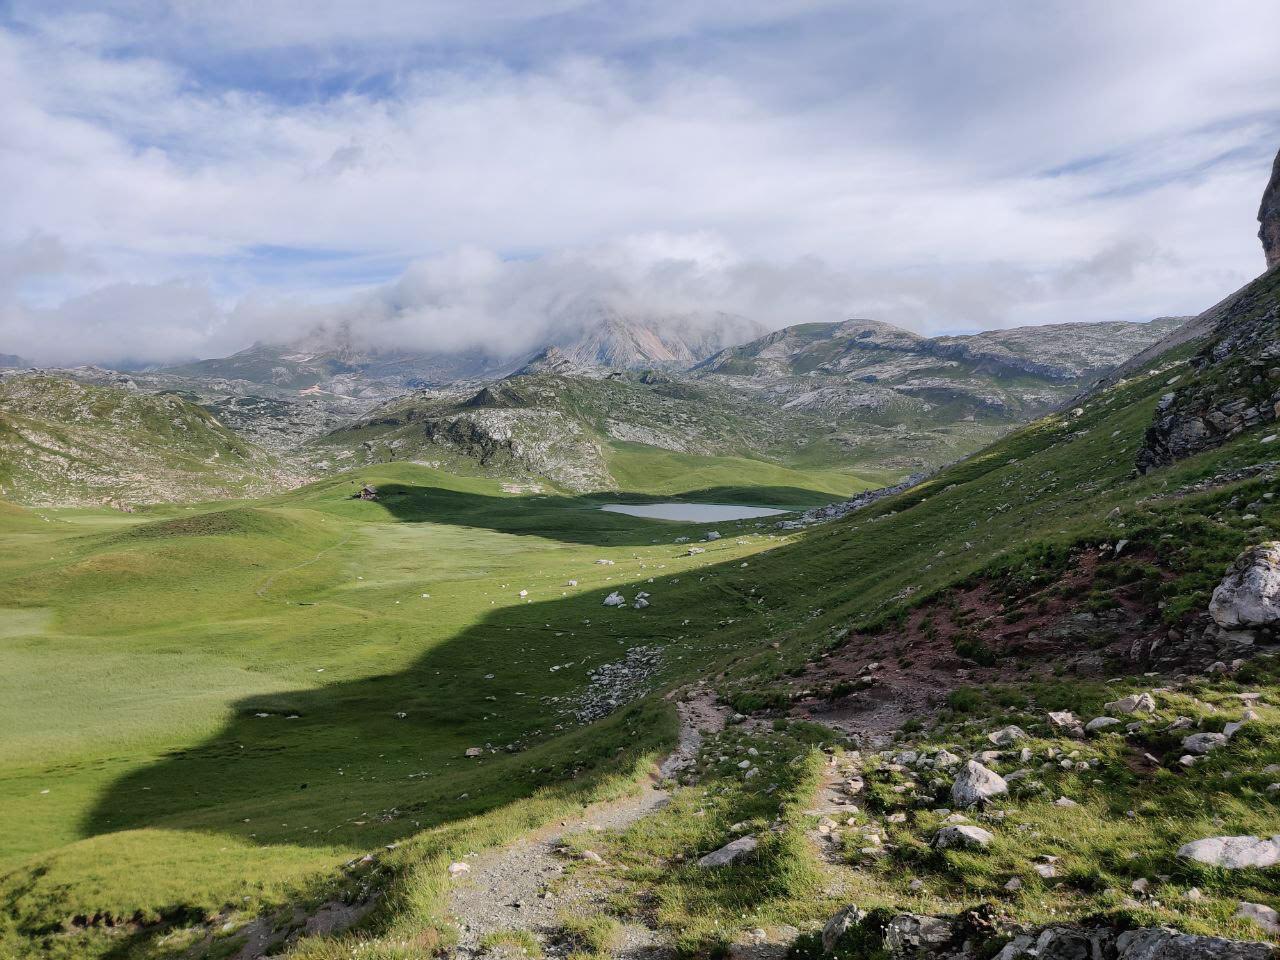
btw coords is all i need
(525, 887)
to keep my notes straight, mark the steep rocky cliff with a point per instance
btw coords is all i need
(1269, 217)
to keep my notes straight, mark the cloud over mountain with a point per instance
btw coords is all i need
(447, 172)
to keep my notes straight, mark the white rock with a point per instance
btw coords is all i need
(458, 868)
(1233, 853)
(1261, 914)
(712, 535)
(729, 852)
(976, 784)
(1101, 723)
(615, 599)
(1202, 743)
(1134, 703)
(475, 751)
(1249, 595)
(1007, 735)
(1065, 802)
(963, 835)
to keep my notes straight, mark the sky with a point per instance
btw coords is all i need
(184, 179)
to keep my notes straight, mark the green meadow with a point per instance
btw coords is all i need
(208, 703)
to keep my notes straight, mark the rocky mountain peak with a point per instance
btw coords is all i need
(1269, 217)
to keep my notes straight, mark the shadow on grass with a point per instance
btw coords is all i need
(578, 519)
(367, 761)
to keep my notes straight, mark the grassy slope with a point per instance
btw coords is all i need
(1010, 508)
(62, 442)
(1009, 512)
(139, 650)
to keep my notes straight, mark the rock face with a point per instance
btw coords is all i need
(1269, 217)
(1249, 595)
(1237, 382)
(976, 784)
(1234, 853)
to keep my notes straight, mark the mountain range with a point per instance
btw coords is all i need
(859, 397)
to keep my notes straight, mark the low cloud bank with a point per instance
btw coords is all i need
(472, 298)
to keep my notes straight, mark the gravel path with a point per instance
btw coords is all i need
(525, 886)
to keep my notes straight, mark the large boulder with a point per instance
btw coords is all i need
(1249, 595)
(976, 784)
(1269, 217)
(1233, 853)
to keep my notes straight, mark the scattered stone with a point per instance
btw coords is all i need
(976, 784)
(475, 751)
(1101, 723)
(729, 853)
(962, 836)
(1261, 914)
(845, 919)
(1134, 703)
(911, 933)
(458, 868)
(1067, 723)
(1233, 853)
(1202, 743)
(1007, 735)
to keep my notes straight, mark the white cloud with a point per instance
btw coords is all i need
(928, 166)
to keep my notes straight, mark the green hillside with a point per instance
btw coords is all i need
(64, 443)
(214, 714)
(639, 432)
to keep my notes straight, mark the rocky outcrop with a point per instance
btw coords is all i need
(909, 935)
(1269, 217)
(834, 511)
(1249, 595)
(1236, 381)
(968, 935)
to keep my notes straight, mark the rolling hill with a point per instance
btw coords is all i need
(64, 443)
